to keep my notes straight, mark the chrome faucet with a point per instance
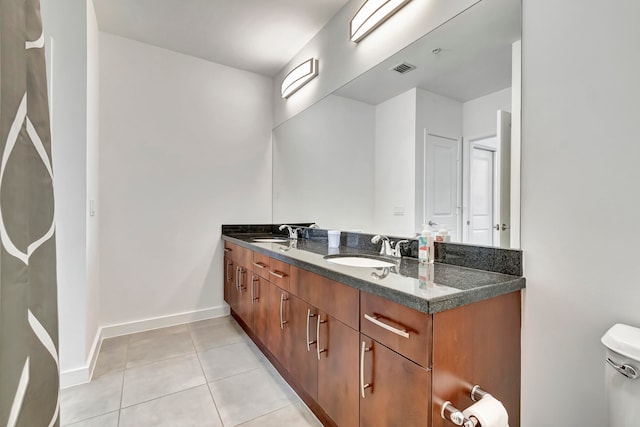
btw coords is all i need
(385, 248)
(293, 233)
(397, 249)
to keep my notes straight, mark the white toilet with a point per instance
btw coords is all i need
(622, 375)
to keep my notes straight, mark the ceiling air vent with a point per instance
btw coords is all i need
(403, 68)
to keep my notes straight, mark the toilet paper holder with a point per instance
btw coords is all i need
(453, 414)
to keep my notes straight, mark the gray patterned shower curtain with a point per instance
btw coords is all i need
(29, 369)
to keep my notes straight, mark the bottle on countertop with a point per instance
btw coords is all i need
(443, 235)
(425, 245)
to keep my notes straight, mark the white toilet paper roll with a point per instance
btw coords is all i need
(489, 411)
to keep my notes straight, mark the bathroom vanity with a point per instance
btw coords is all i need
(365, 346)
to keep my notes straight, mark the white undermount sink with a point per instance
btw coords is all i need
(270, 240)
(359, 261)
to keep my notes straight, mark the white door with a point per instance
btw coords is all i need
(441, 189)
(504, 178)
(482, 201)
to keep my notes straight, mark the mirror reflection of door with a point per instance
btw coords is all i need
(504, 178)
(488, 189)
(483, 188)
(442, 192)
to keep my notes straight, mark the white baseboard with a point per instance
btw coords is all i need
(83, 375)
(163, 321)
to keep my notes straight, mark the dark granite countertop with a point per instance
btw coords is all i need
(428, 288)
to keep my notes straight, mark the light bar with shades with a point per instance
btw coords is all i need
(299, 76)
(371, 14)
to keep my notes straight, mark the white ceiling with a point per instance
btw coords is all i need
(253, 35)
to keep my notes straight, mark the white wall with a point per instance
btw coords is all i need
(580, 209)
(399, 155)
(72, 123)
(479, 115)
(323, 165)
(395, 142)
(185, 146)
(341, 60)
(92, 193)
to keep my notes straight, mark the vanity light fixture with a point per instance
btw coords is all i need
(299, 76)
(371, 14)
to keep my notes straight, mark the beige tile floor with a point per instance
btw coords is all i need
(206, 373)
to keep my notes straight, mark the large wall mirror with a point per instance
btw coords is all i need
(430, 135)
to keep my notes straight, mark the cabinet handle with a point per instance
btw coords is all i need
(374, 319)
(228, 250)
(229, 264)
(241, 286)
(282, 321)
(253, 291)
(309, 315)
(278, 274)
(259, 265)
(318, 349)
(237, 278)
(362, 384)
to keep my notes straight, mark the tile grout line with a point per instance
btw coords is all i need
(264, 415)
(87, 419)
(206, 381)
(164, 395)
(124, 371)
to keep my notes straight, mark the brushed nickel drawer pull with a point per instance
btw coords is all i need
(229, 264)
(282, 321)
(253, 285)
(318, 349)
(278, 274)
(241, 286)
(259, 265)
(228, 250)
(237, 277)
(374, 319)
(362, 384)
(309, 315)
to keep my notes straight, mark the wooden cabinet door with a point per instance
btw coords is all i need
(394, 391)
(244, 306)
(230, 291)
(479, 344)
(338, 370)
(278, 324)
(304, 359)
(260, 295)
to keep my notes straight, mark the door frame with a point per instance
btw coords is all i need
(467, 146)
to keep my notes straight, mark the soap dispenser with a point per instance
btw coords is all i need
(425, 245)
(443, 236)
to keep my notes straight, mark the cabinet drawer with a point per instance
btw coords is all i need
(336, 299)
(230, 250)
(260, 265)
(407, 331)
(279, 273)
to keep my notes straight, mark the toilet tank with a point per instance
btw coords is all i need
(622, 375)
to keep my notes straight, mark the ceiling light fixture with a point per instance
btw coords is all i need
(371, 15)
(299, 76)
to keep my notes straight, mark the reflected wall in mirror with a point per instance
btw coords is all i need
(401, 146)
